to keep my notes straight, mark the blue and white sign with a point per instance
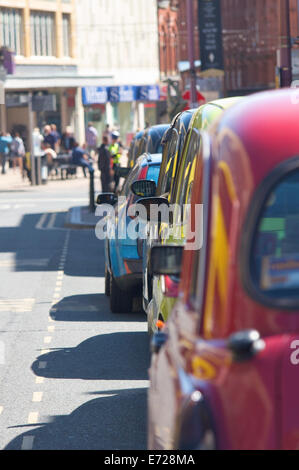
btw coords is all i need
(149, 93)
(123, 94)
(94, 95)
(119, 94)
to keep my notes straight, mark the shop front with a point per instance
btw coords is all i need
(122, 107)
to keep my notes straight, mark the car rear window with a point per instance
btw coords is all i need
(276, 243)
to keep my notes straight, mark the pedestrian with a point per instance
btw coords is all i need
(91, 136)
(49, 137)
(81, 158)
(107, 133)
(51, 156)
(37, 141)
(105, 165)
(17, 149)
(68, 140)
(5, 141)
(57, 137)
(115, 150)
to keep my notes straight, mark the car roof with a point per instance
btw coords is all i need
(207, 113)
(150, 159)
(265, 125)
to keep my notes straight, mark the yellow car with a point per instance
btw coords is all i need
(165, 288)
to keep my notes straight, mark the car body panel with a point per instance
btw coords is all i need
(201, 120)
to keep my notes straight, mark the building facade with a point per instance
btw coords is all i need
(119, 39)
(95, 60)
(42, 36)
(252, 35)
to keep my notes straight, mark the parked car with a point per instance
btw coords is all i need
(151, 140)
(224, 373)
(133, 153)
(162, 291)
(173, 141)
(123, 263)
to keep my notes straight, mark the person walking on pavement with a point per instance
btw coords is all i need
(17, 149)
(91, 136)
(115, 151)
(105, 165)
(5, 141)
(81, 158)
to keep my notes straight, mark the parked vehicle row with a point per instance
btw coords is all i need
(222, 312)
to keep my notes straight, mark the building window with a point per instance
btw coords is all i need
(42, 34)
(66, 35)
(11, 29)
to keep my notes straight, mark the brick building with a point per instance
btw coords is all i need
(252, 31)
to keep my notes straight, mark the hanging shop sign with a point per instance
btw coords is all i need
(94, 95)
(44, 103)
(149, 93)
(210, 28)
(119, 94)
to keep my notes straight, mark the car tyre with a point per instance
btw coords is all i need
(120, 301)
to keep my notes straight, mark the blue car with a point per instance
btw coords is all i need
(123, 269)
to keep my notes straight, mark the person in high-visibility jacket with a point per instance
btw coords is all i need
(115, 151)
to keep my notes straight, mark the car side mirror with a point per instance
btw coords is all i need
(166, 260)
(106, 198)
(149, 202)
(122, 172)
(144, 188)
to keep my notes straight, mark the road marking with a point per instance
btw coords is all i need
(37, 397)
(39, 380)
(16, 305)
(47, 340)
(51, 329)
(33, 417)
(45, 351)
(1, 409)
(27, 443)
(52, 221)
(41, 222)
(15, 263)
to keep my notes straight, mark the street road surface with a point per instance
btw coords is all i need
(72, 375)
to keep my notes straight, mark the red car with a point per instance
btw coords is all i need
(225, 369)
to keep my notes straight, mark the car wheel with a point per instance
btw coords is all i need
(120, 301)
(107, 282)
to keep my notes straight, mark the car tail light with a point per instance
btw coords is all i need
(143, 173)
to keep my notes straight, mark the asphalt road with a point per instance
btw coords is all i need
(72, 375)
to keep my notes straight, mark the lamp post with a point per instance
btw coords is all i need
(285, 47)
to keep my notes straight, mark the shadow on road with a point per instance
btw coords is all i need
(38, 246)
(115, 356)
(116, 420)
(90, 308)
